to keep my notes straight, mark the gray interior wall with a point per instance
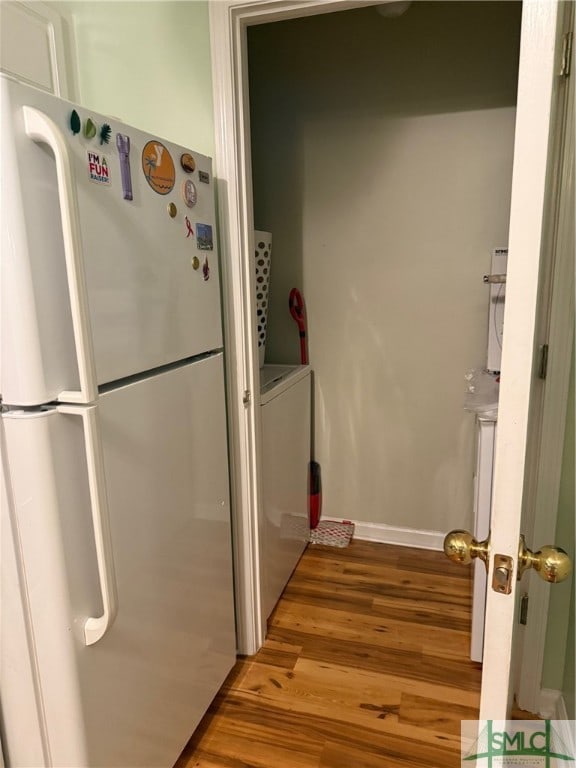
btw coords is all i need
(382, 152)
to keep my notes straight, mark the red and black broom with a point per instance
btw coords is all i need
(297, 310)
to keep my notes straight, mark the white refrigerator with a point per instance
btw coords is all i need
(117, 624)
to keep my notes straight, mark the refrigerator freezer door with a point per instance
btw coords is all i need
(135, 696)
(148, 250)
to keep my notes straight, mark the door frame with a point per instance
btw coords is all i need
(229, 20)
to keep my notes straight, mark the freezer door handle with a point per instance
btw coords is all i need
(41, 129)
(96, 626)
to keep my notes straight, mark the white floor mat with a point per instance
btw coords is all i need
(332, 534)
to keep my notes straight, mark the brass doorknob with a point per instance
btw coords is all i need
(461, 547)
(551, 563)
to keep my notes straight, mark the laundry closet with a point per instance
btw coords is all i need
(382, 144)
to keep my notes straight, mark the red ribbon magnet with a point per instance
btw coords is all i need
(189, 227)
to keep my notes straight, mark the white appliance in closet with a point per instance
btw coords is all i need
(485, 404)
(285, 397)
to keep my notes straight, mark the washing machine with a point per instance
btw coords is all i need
(285, 402)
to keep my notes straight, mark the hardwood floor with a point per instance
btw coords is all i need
(365, 666)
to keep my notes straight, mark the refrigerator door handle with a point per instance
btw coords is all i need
(96, 626)
(41, 129)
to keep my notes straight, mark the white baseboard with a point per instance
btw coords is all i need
(565, 726)
(553, 707)
(390, 534)
(561, 711)
(549, 704)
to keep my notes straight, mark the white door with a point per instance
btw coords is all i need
(539, 66)
(132, 278)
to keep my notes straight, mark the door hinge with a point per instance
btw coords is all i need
(524, 609)
(247, 397)
(566, 55)
(543, 364)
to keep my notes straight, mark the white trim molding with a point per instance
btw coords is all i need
(566, 727)
(233, 187)
(552, 706)
(391, 534)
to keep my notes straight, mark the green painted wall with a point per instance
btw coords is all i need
(567, 509)
(148, 64)
(569, 672)
(558, 671)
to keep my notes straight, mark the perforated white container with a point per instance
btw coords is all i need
(262, 254)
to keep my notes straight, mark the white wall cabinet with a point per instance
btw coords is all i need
(33, 47)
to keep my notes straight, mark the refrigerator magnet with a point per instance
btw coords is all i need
(105, 133)
(195, 262)
(204, 237)
(123, 147)
(206, 269)
(204, 177)
(172, 210)
(187, 162)
(89, 128)
(75, 122)
(98, 168)
(158, 167)
(189, 193)
(189, 230)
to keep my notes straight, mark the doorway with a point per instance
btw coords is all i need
(229, 25)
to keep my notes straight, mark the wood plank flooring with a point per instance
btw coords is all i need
(365, 666)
